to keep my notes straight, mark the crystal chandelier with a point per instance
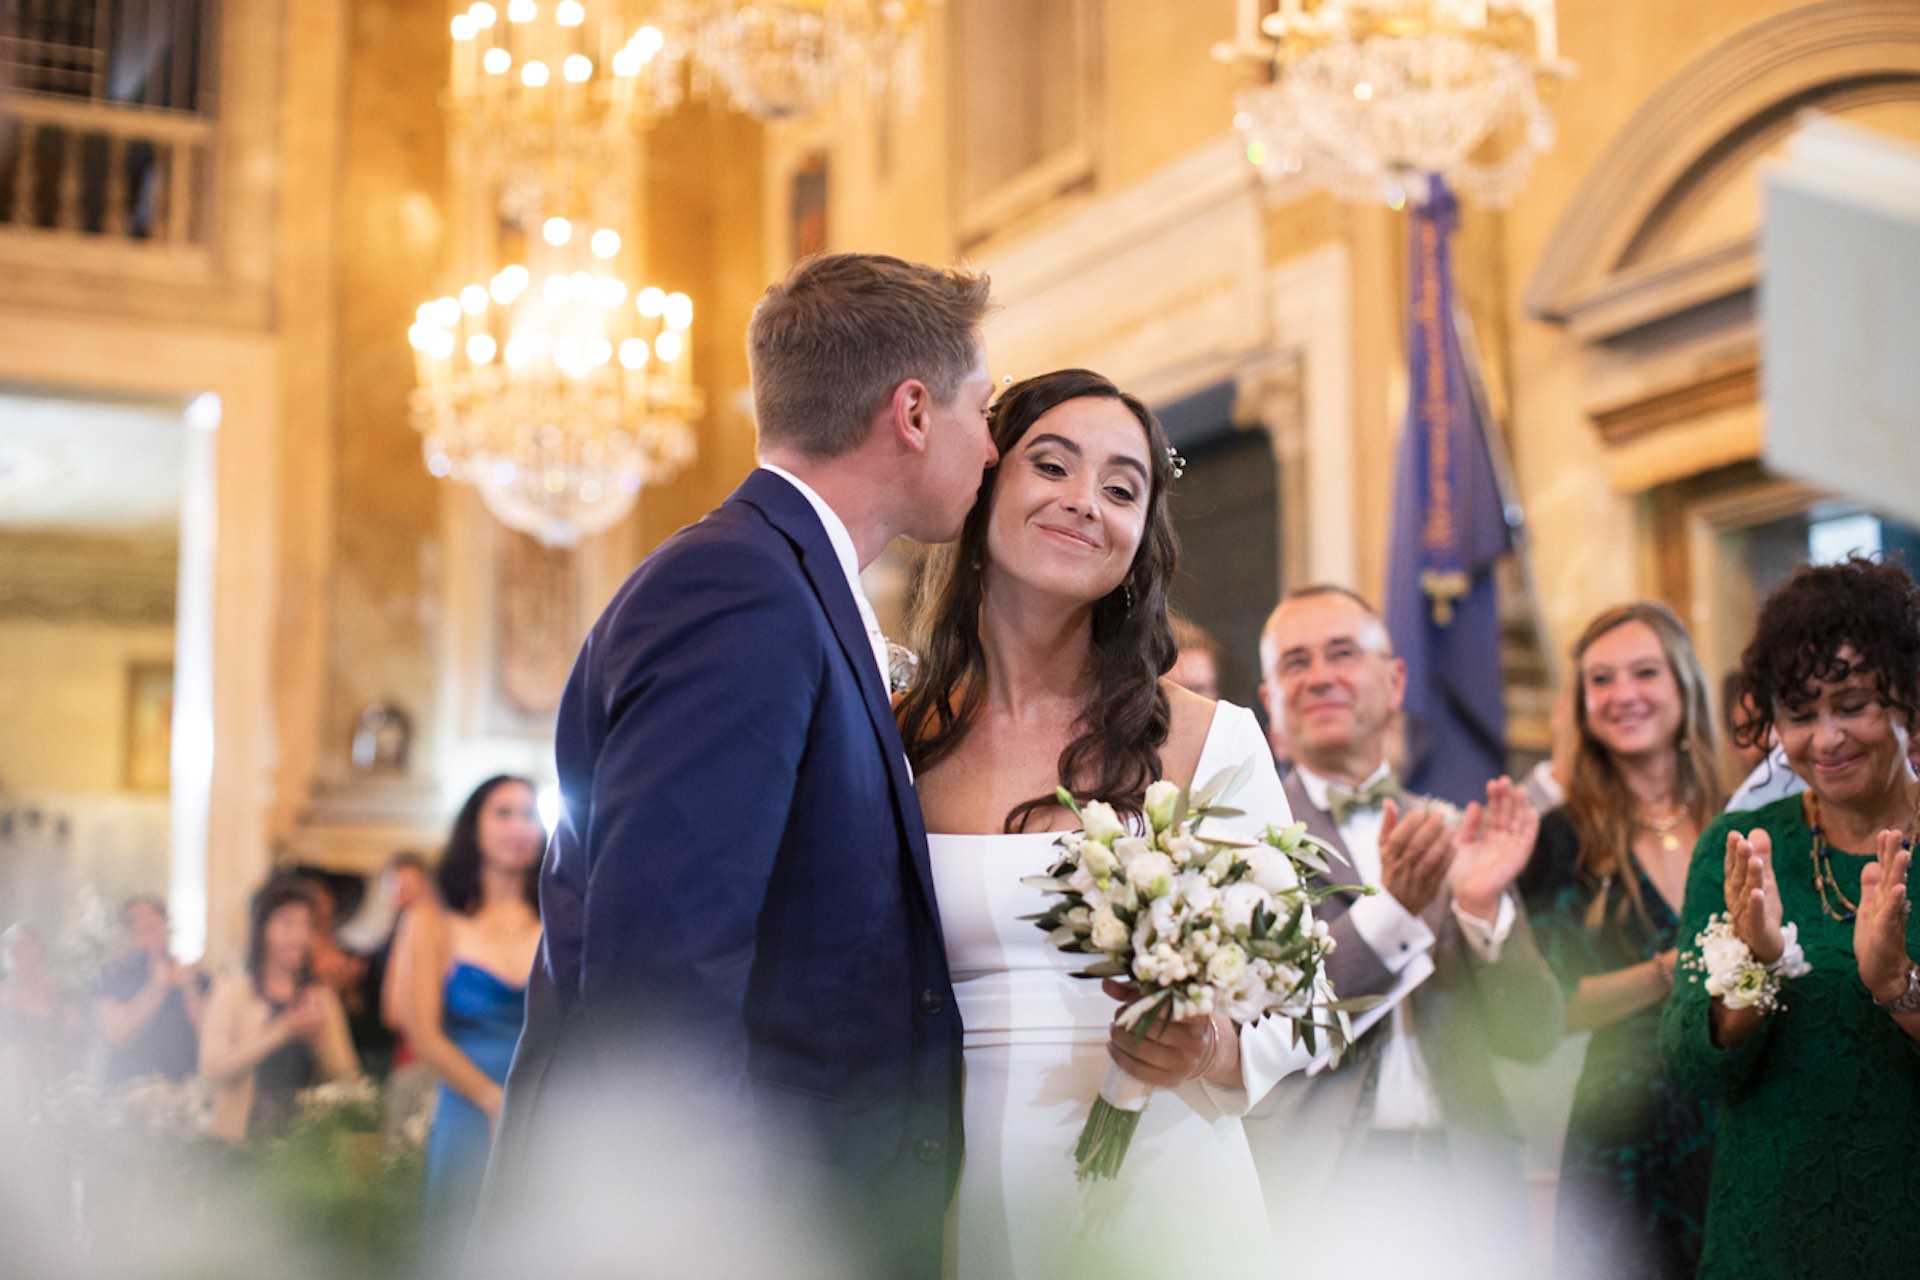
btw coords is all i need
(559, 92)
(1367, 97)
(546, 379)
(779, 59)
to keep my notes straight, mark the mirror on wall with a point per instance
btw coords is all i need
(90, 505)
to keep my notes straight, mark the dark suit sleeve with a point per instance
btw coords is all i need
(708, 679)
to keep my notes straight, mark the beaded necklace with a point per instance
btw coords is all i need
(1824, 881)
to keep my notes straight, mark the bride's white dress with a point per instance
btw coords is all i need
(1187, 1202)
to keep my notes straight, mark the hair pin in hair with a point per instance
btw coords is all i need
(1179, 463)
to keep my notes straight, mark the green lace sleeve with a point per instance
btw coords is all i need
(1686, 1039)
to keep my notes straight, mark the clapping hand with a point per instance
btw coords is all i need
(1753, 899)
(306, 1015)
(1880, 924)
(1492, 847)
(1416, 852)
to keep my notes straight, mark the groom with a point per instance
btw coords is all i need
(739, 882)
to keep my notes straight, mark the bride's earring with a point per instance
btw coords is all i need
(1129, 591)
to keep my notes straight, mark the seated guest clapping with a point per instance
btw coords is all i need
(1803, 1013)
(272, 1030)
(148, 1005)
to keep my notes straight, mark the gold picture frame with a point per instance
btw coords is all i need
(149, 726)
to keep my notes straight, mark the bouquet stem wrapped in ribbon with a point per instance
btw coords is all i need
(1198, 919)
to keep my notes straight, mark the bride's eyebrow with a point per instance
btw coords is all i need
(1118, 459)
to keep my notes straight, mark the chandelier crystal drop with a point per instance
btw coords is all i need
(1368, 97)
(781, 59)
(553, 388)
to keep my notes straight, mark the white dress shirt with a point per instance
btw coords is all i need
(843, 550)
(1403, 1092)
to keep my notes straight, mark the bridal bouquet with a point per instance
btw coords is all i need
(1198, 919)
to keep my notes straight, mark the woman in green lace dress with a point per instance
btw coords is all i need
(1603, 892)
(1817, 1160)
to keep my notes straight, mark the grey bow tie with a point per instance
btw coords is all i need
(1343, 803)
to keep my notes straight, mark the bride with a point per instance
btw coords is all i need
(1043, 634)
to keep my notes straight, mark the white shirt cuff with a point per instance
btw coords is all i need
(1484, 938)
(1392, 932)
(1270, 1051)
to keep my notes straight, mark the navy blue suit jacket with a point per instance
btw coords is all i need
(739, 881)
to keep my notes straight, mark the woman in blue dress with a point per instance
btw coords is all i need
(465, 961)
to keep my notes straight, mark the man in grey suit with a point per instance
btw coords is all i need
(1441, 943)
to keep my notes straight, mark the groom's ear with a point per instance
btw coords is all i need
(910, 414)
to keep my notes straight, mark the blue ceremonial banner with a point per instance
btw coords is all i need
(1449, 527)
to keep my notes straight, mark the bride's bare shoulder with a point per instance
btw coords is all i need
(1189, 717)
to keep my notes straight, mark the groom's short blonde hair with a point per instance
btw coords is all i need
(828, 344)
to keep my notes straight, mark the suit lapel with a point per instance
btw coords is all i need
(788, 510)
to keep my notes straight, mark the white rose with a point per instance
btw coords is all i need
(1150, 873)
(1239, 901)
(1227, 966)
(1109, 934)
(1127, 848)
(1161, 798)
(1100, 822)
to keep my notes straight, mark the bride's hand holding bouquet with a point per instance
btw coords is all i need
(1205, 930)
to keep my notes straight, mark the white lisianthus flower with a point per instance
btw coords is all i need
(1098, 859)
(1192, 888)
(1161, 798)
(1271, 870)
(1109, 934)
(1742, 988)
(1239, 901)
(1150, 873)
(1227, 966)
(1127, 848)
(1184, 847)
(1100, 822)
(1219, 866)
(1080, 880)
(1723, 953)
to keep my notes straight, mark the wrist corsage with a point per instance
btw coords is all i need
(1731, 971)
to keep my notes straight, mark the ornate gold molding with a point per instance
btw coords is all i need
(1733, 385)
(1684, 130)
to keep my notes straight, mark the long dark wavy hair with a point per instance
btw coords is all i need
(1116, 753)
(459, 871)
(281, 891)
(1598, 801)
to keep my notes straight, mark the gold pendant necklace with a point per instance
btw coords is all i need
(1664, 828)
